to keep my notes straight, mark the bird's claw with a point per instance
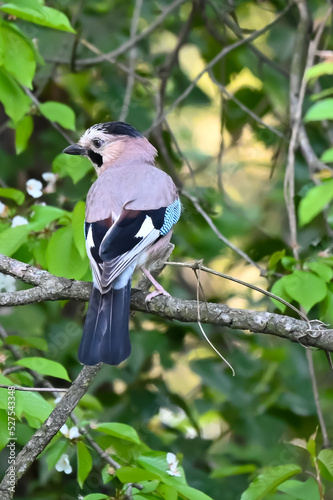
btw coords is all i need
(156, 292)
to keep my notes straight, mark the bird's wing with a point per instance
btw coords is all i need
(113, 246)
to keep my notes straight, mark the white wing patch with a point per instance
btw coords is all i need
(90, 240)
(146, 228)
(96, 270)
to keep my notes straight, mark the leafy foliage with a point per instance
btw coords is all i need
(243, 437)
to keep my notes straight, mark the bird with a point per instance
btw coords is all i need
(131, 209)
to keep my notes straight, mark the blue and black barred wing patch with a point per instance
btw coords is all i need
(171, 216)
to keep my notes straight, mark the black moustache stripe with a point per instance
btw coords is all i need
(96, 158)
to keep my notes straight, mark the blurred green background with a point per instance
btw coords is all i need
(174, 390)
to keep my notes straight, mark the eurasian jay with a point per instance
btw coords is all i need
(130, 211)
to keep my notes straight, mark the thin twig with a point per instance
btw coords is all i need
(326, 442)
(164, 73)
(34, 389)
(195, 265)
(234, 27)
(95, 50)
(217, 58)
(314, 163)
(132, 57)
(197, 273)
(243, 107)
(180, 152)
(296, 111)
(54, 124)
(220, 236)
(132, 41)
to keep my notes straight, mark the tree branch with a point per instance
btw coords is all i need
(49, 429)
(226, 50)
(133, 40)
(54, 288)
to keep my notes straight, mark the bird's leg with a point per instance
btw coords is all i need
(159, 290)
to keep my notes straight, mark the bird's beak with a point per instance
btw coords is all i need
(74, 149)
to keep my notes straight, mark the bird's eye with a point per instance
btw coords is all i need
(97, 143)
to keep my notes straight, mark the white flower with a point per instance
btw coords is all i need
(169, 417)
(49, 177)
(3, 209)
(72, 433)
(63, 464)
(173, 465)
(34, 188)
(51, 180)
(18, 220)
(191, 433)
(7, 283)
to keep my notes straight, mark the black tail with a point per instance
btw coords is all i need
(106, 331)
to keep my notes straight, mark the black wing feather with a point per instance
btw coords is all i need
(122, 237)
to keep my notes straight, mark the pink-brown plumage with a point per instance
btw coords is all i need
(130, 211)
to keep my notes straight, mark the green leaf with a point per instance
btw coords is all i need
(121, 431)
(191, 493)
(15, 101)
(90, 402)
(13, 194)
(35, 12)
(156, 462)
(279, 290)
(134, 475)
(311, 446)
(96, 496)
(84, 463)
(19, 57)
(326, 458)
(12, 238)
(168, 492)
(24, 130)
(323, 93)
(275, 258)
(36, 342)
(269, 480)
(233, 470)
(33, 406)
(307, 490)
(74, 166)
(305, 288)
(149, 486)
(324, 68)
(322, 270)
(78, 227)
(58, 112)
(3, 429)
(62, 257)
(315, 201)
(44, 367)
(321, 110)
(44, 215)
(140, 496)
(327, 156)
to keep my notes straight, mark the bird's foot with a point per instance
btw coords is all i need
(159, 290)
(155, 293)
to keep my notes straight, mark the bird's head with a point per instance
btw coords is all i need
(111, 143)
